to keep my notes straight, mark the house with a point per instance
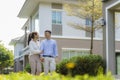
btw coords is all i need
(21, 50)
(50, 14)
(110, 9)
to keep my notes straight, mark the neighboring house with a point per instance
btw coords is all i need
(111, 9)
(21, 50)
(18, 46)
(49, 14)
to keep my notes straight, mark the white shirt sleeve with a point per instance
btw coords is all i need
(32, 48)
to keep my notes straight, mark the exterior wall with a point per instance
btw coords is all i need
(70, 31)
(45, 16)
(99, 33)
(105, 5)
(17, 48)
(46, 21)
(109, 36)
(108, 3)
(78, 43)
(81, 43)
(18, 65)
(117, 45)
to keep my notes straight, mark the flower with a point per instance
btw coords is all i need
(70, 65)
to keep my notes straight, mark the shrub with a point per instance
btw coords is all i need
(89, 64)
(27, 68)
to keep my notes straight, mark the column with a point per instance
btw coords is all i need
(110, 42)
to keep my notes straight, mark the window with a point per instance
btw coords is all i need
(88, 26)
(118, 62)
(88, 22)
(67, 53)
(56, 17)
(35, 22)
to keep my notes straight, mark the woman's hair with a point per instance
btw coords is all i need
(31, 36)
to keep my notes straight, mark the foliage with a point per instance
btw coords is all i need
(86, 9)
(89, 64)
(55, 76)
(27, 68)
(6, 58)
(81, 10)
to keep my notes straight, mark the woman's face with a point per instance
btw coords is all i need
(37, 36)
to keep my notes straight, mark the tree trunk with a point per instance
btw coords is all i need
(92, 30)
(0, 70)
(91, 47)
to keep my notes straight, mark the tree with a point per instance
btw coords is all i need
(6, 58)
(86, 9)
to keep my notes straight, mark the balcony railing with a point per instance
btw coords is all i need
(24, 51)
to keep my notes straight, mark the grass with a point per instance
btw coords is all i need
(54, 76)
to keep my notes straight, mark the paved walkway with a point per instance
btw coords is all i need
(117, 77)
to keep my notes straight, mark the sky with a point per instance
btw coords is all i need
(10, 24)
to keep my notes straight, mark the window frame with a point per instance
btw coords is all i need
(74, 49)
(57, 10)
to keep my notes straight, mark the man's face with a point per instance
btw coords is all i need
(47, 35)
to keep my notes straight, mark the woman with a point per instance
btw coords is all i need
(34, 56)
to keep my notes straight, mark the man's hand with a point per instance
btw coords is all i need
(42, 59)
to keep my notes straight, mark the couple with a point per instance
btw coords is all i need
(45, 52)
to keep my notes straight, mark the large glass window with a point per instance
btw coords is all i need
(68, 53)
(56, 17)
(35, 23)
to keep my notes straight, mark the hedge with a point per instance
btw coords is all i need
(89, 64)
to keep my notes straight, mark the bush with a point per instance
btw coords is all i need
(89, 64)
(27, 68)
(55, 76)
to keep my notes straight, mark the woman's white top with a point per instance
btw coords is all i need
(34, 47)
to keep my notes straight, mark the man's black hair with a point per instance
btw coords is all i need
(48, 31)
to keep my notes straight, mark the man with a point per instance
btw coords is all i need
(49, 48)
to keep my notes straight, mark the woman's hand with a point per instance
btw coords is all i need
(41, 52)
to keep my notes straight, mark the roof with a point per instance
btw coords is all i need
(30, 5)
(17, 40)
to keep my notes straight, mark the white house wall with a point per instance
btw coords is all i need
(45, 19)
(69, 30)
(17, 48)
(45, 16)
(45, 22)
(99, 33)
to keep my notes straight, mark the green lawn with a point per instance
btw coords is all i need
(54, 76)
